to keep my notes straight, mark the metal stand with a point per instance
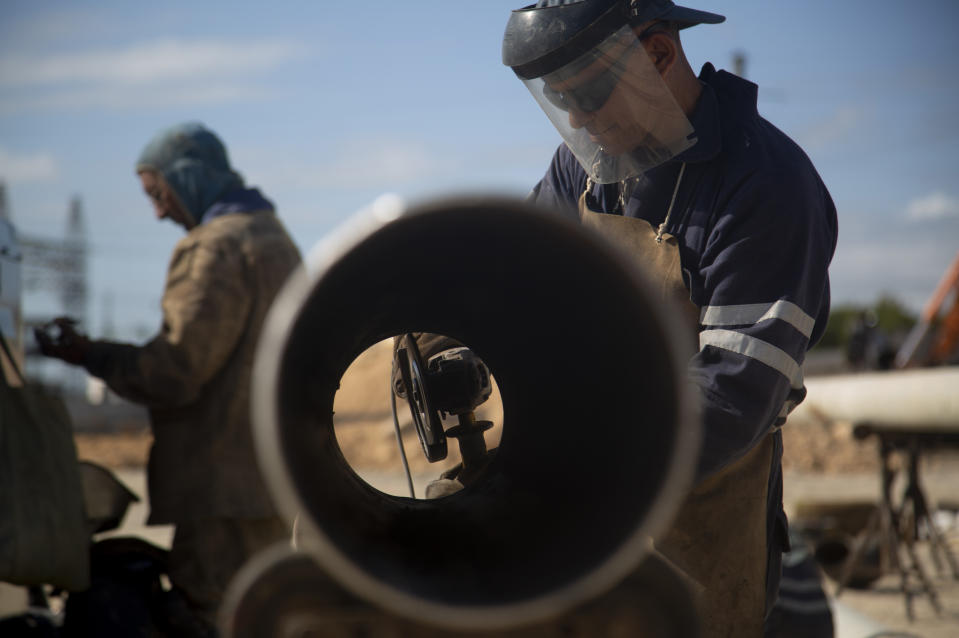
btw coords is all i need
(896, 528)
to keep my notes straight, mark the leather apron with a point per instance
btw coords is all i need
(719, 535)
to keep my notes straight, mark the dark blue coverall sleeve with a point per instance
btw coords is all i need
(763, 291)
(758, 273)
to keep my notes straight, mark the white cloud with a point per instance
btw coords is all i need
(146, 63)
(36, 167)
(186, 94)
(934, 206)
(161, 72)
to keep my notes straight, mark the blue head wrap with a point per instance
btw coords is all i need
(193, 161)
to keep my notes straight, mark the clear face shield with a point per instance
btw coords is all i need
(614, 110)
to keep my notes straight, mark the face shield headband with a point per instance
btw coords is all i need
(613, 109)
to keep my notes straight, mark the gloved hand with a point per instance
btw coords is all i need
(60, 340)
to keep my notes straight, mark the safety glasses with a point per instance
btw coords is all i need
(594, 93)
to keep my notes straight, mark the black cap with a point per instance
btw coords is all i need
(543, 37)
(646, 10)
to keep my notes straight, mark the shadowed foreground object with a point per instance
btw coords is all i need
(599, 432)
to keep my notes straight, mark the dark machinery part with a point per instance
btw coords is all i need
(459, 381)
(426, 420)
(463, 381)
(105, 497)
(456, 383)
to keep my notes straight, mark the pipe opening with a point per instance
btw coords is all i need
(365, 431)
(590, 432)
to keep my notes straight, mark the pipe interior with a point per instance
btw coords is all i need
(588, 385)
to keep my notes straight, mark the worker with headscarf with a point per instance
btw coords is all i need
(194, 375)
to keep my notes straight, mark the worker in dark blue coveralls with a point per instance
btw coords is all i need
(733, 224)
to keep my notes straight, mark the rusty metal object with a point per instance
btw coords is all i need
(285, 594)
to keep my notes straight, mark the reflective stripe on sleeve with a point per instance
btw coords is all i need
(756, 349)
(749, 314)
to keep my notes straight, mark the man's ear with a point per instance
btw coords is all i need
(661, 49)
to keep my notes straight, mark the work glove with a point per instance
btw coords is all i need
(59, 339)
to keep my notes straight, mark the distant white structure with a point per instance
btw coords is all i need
(11, 258)
(56, 269)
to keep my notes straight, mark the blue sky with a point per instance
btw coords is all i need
(326, 105)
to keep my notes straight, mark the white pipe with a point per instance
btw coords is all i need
(850, 623)
(926, 399)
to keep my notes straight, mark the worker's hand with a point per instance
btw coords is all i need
(60, 340)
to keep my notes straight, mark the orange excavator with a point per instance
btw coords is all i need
(935, 339)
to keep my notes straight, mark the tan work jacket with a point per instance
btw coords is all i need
(194, 376)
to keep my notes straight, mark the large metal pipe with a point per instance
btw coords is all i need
(925, 399)
(599, 432)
